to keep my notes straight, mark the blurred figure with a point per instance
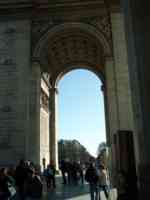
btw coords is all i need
(20, 177)
(80, 175)
(4, 192)
(103, 180)
(91, 176)
(49, 174)
(64, 169)
(33, 186)
(7, 186)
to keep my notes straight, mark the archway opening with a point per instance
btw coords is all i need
(81, 115)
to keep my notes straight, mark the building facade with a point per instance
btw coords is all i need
(40, 37)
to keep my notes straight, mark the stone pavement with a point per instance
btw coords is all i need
(65, 192)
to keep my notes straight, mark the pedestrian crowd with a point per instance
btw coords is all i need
(21, 183)
(72, 172)
(95, 173)
(25, 181)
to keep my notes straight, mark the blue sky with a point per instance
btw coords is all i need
(81, 109)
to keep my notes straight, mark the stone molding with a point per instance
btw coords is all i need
(101, 23)
(29, 7)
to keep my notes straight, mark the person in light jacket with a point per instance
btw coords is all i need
(103, 180)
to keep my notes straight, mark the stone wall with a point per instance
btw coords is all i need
(121, 70)
(118, 90)
(14, 89)
(136, 15)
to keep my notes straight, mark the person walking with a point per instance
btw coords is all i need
(103, 180)
(91, 176)
(33, 186)
(49, 174)
(63, 168)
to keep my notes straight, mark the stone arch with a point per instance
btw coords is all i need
(89, 44)
(69, 26)
(66, 47)
(70, 68)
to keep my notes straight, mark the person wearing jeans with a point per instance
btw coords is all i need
(92, 178)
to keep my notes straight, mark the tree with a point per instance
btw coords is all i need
(101, 147)
(73, 151)
(102, 153)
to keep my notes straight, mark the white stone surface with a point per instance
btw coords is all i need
(44, 129)
(122, 73)
(44, 136)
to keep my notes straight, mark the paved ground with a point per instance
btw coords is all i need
(65, 192)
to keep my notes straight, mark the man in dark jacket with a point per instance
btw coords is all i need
(91, 176)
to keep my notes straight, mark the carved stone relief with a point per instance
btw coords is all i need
(39, 27)
(102, 24)
(44, 101)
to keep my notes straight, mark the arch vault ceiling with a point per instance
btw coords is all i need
(74, 48)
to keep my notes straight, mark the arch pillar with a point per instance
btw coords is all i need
(34, 117)
(123, 88)
(123, 144)
(103, 89)
(136, 15)
(53, 138)
(111, 107)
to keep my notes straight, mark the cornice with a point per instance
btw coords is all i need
(31, 8)
(15, 5)
(68, 4)
(15, 9)
(66, 9)
(36, 8)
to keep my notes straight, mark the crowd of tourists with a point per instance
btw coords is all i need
(25, 181)
(72, 172)
(21, 183)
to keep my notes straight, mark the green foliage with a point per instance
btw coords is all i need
(73, 151)
(102, 147)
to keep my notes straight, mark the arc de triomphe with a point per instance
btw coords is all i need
(40, 41)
